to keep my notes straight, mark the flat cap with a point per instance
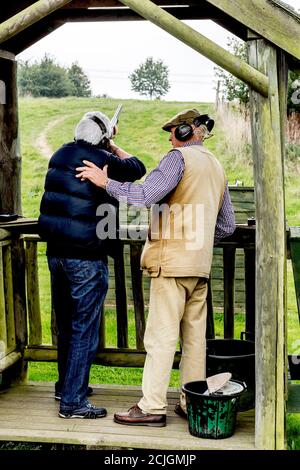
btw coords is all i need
(186, 116)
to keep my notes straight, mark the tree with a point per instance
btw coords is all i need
(46, 78)
(80, 81)
(233, 89)
(150, 79)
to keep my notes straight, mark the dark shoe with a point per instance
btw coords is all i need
(136, 417)
(87, 411)
(179, 411)
(57, 394)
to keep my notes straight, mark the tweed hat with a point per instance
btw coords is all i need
(186, 116)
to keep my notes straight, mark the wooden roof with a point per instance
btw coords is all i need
(271, 19)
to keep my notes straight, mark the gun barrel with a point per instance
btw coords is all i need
(115, 117)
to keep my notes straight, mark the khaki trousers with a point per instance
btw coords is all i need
(177, 309)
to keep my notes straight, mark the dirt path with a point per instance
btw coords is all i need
(42, 143)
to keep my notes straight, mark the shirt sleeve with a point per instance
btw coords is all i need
(225, 224)
(163, 179)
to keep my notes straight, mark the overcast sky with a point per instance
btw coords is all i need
(109, 51)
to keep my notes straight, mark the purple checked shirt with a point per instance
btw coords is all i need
(160, 182)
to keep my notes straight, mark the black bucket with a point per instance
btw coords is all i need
(212, 416)
(235, 356)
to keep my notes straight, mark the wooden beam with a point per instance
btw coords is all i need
(119, 357)
(126, 14)
(10, 9)
(116, 3)
(200, 43)
(270, 252)
(9, 360)
(31, 35)
(29, 16)
(268, 19)
(6, 55)
(107, 10)
(4, 234)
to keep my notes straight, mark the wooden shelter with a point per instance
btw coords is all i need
(272, 31)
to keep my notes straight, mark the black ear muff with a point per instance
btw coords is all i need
(206, 120)
(183, 132)
(210, 124)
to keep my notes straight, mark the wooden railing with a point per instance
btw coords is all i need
(243, 202)
(13, 331)
(121, 355)
(7, 319)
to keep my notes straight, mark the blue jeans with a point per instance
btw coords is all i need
(78, 292)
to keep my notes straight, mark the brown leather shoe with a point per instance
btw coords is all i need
(179, 411)
(136, 417)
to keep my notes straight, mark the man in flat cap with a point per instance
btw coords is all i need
(196, 213)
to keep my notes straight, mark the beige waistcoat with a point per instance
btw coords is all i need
(181, 233)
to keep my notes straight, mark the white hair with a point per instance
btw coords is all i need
(202, 132)
(92, 132)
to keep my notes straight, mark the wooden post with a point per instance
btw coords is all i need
(283, 92)
(3, 332)
(18, 371)
(102, 329)
(121, 297)
(29, 16)
(10, 201)
(9, 298)
(200, 43)
(294, 240)
(249, 254)
(229, 278)
(10, 160)
(33, 295)
(210, 325)
(270, 251)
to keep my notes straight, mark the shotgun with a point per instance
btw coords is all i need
(115, 119)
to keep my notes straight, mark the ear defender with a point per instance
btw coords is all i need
(184, 131)
(206, 120)
(101, 125)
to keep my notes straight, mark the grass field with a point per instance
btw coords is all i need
(47, 123)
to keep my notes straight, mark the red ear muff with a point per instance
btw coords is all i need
(183, 132)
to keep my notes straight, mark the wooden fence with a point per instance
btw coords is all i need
(244, 208)
(32, 345)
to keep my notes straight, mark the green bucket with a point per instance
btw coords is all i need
(212, 416)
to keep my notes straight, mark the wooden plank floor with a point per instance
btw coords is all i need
(28, 413)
